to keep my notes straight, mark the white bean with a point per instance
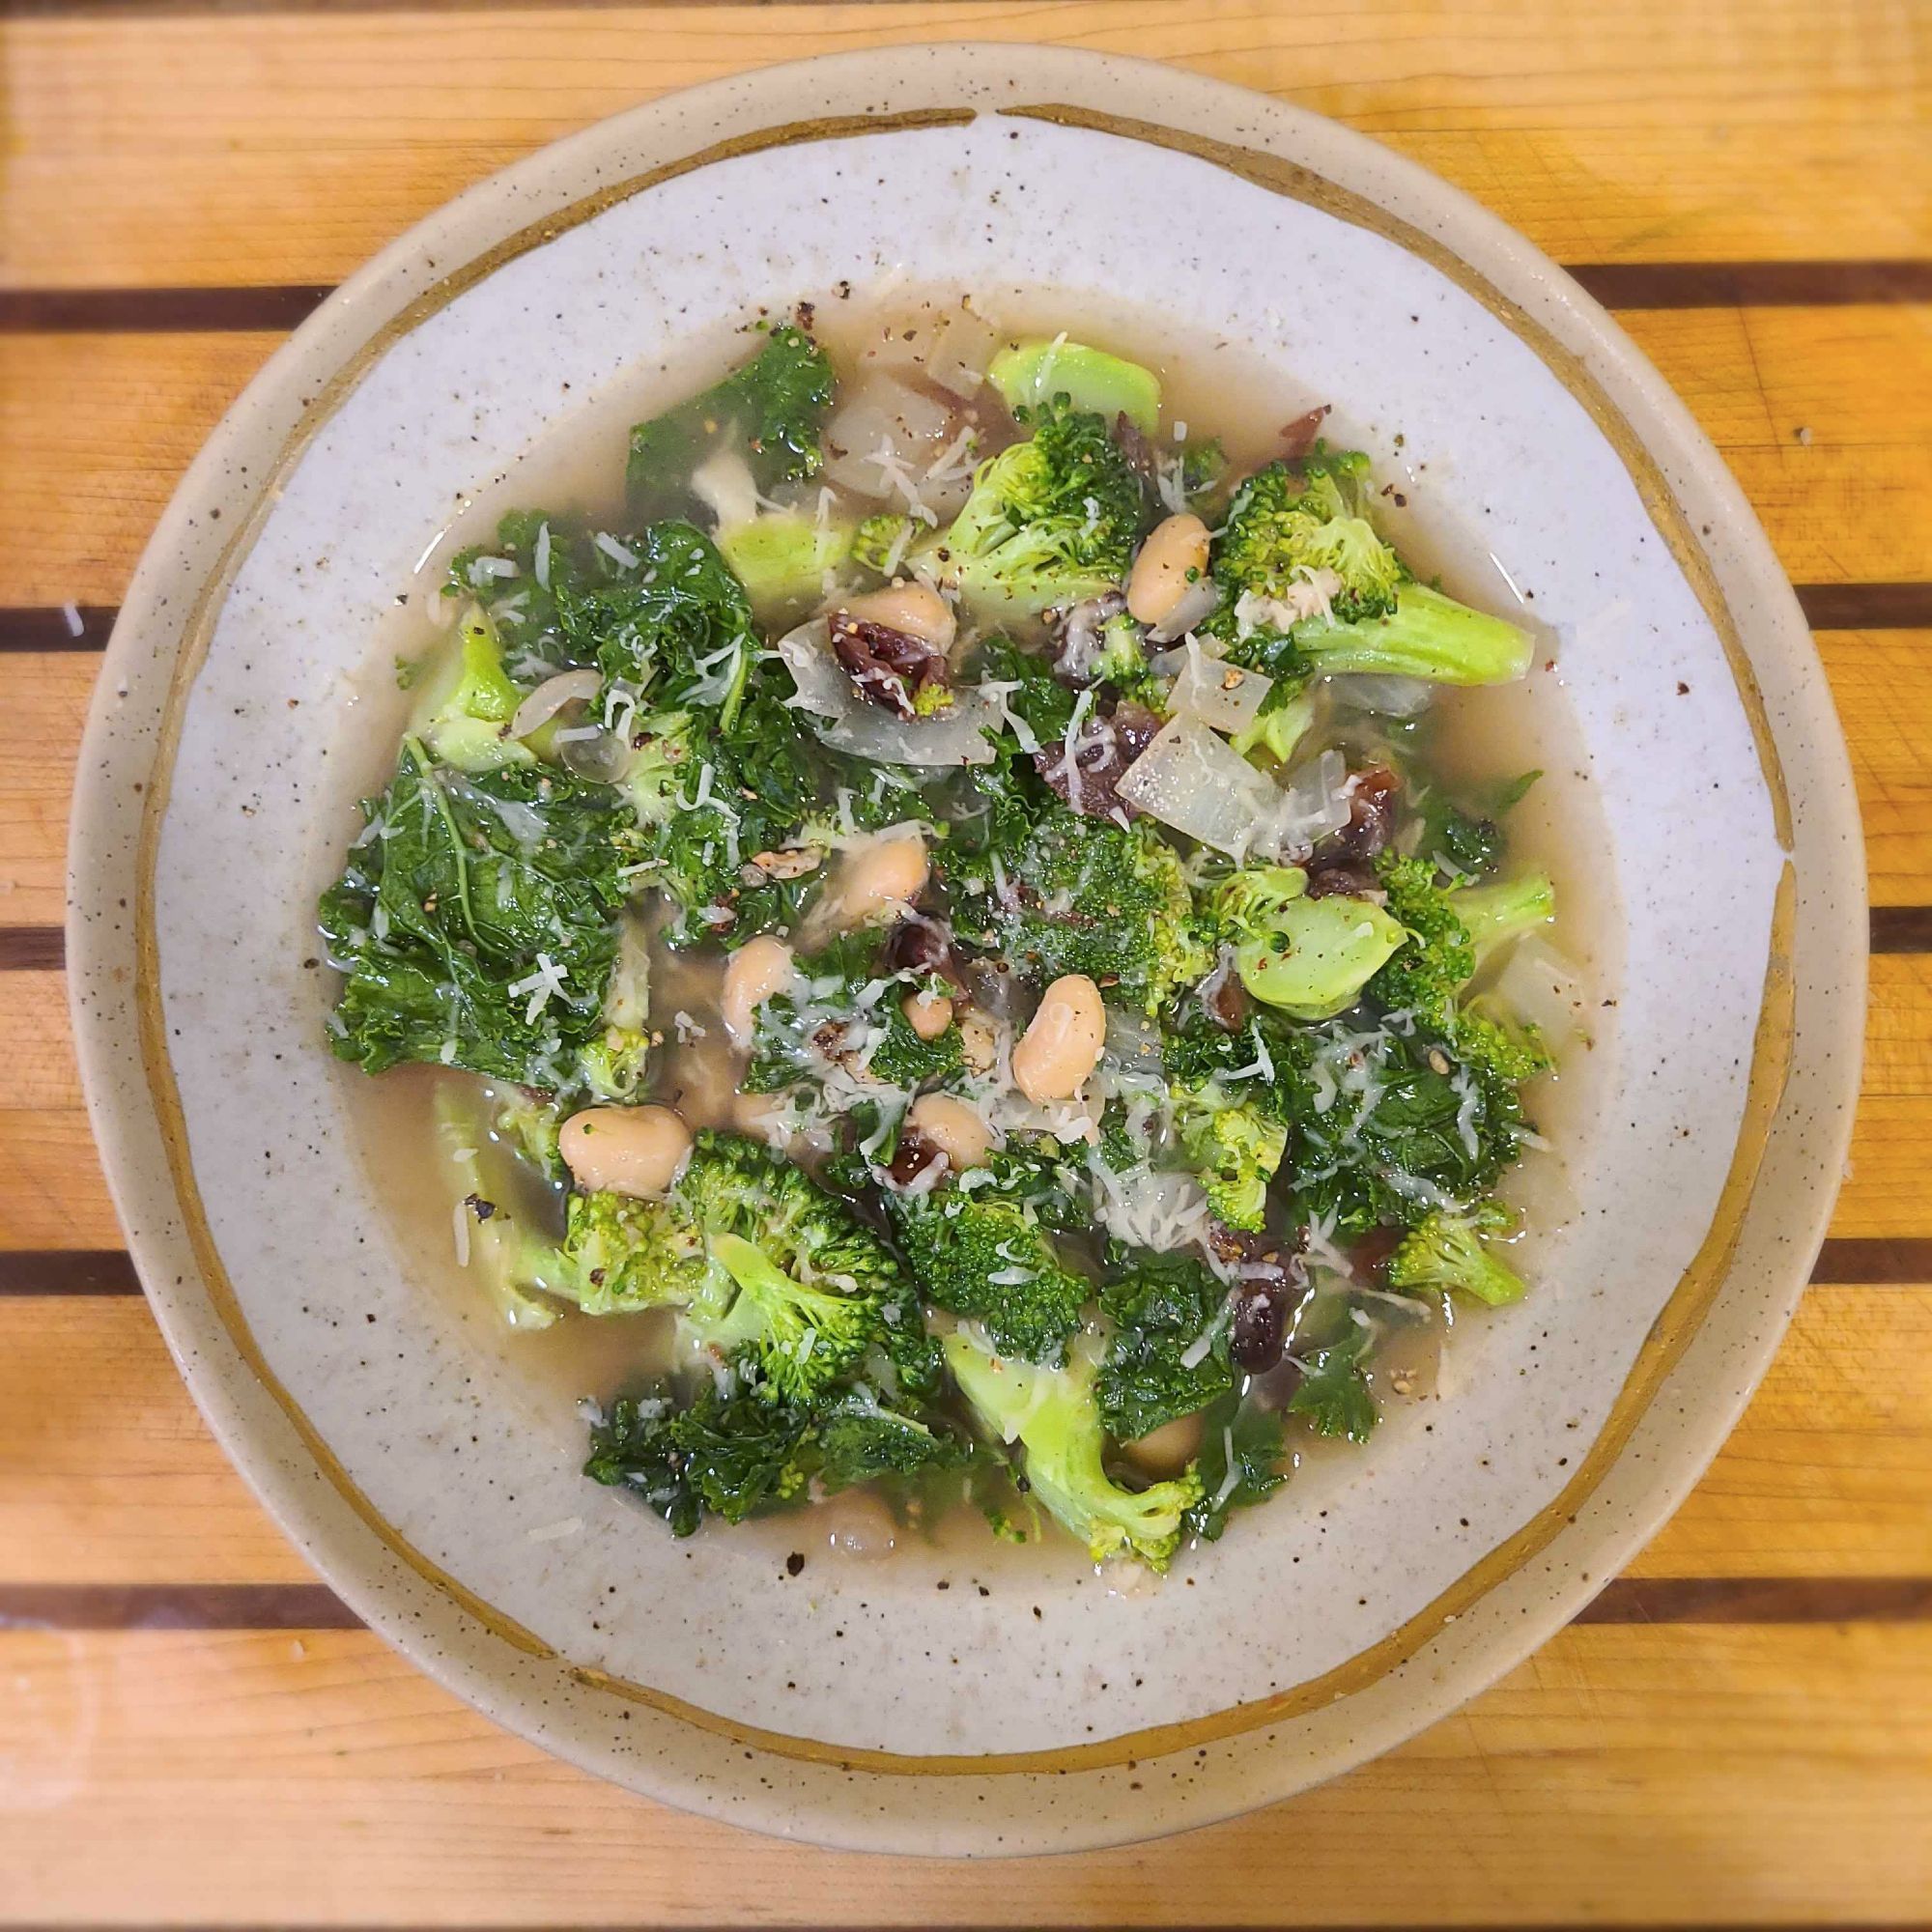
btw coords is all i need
(759, 969)
(879, 877)
(1063, 1045)
(1171, 560)
(978, 1041)
(636, 1151)
(928, 1015)
(952, 1127)
(910, 607)
(1167, 1450)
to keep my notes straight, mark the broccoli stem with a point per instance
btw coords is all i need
(1494, 915)
(1426, 635)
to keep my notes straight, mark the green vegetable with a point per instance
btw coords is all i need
(490, 1194)
(1333, 1392)
(1054, 1415)
(1310, 958)
(1029, 375)
(461, 890)
(773, 408)
(1054, 892)
(979, 1249)
(1447, 1252)
(1290, 521)
(724, 1454)
(1050, 520)
(1160, 1306)
(1241, 1464)
(1234, 1148)
(462, 710)
(782, 558)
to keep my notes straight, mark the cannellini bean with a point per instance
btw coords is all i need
(928, 1014)
(879, 877)
(1063, 1045)
(759, 969)
(913, 609)
(1171, 560)
(952, 1127)
(625, 1149)
(1168, 1450)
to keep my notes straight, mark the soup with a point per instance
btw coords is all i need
(960, 934)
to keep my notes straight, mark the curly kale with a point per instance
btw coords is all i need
(1242, 1462)
(1161, 1306)
(772, 409)
(477, 923)
(1054, 892)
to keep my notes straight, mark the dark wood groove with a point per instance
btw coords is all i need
(23, 1271)
(37, 627)
(1901, 928)
(1827, 606)
(1646, 285)
(32, 949)
(1754, 284)
(314, 1607)
(66, 1271)
(1866, 607)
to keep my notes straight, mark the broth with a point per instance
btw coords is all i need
(1477, 740)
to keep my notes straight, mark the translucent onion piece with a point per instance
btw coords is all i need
(961, 347)
(551, 696)
(847, 722)
(723, 482)
(1314, 802)
(1218, 693)
(884, 414)
(1195, 782)
(1387, 696)
(1196, 602)
(1542, 987)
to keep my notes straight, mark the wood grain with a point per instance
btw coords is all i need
(1622, 1775)
(107, 1477)
(271, 147)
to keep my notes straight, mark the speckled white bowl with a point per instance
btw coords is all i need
(406, 1464)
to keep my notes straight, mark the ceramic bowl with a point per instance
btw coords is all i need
(412, 1466)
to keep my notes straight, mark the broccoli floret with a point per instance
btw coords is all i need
(772, 409)
(1234, 1146)
(622, 1254)
(1055, 891)
(1286, 718)
(462, 710)
(802, 1262)
(1050, 520)
(1028, 375)
(1309, 588)
(1443, 950)
(1161, 1306)
(1055, 1417)
(1447, 1252)
(979, 1249)
(1311, 957)
(880, 543)
(529, 1122)
(1287, 523)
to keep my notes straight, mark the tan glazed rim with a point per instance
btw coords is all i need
(1661, 1348)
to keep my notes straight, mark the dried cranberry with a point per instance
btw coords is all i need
(1089, 780)
(913, 1155)
(921, 945)
(1370, 1256)
(1342, 882)
(1227, 999)
(1374, 802)
(1262, 1309)
(890, 668)
(1133, 444)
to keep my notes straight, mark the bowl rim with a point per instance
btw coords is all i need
(379, 304)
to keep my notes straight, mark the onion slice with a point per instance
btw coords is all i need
(844, 720)
(1541, 987)
(1217, 693)
(1197, 784)
(551, 696)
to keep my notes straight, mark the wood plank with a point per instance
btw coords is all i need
(118, 418)
(1623, 1775)
(109, 1478)
(47, 695)
(269, 146)
(40, 1069)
